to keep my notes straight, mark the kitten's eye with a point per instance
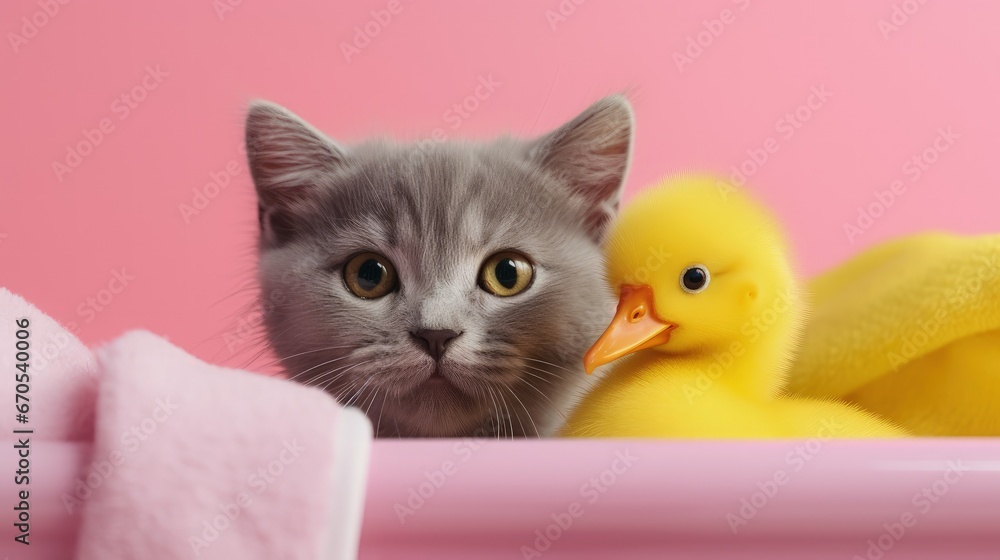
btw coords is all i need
(695, 278)
(506, 274)
(369, 275)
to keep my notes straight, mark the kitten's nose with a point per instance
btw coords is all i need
(435, 340)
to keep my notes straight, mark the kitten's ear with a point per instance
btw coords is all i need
(591, 154)
(287, 158)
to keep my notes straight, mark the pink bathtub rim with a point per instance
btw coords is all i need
(651, 499)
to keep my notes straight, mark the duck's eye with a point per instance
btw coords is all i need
(506, 274)
(695, 279)
(369, 275)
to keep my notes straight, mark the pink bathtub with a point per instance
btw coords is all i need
(483, 499)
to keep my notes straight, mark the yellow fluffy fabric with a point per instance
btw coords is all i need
(910, 330)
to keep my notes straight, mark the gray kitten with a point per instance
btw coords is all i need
(447, 289)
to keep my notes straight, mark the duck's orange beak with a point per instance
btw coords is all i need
(635, 327)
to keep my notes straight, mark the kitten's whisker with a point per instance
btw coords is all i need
(480, 393)
(399, 433)
(306, 352)
(254, 358)
(510, 421)
(260, 336)
(291, 321)
(318, 365)
(354, 384)
(315, 381)
(518, 416)
(378, 425)
(526, 411)
(503, 401)
(339, 396)
(343, 392)
(554, 407)
(370, 403)
(495, 408)
(556, 374)
(553, 365)
(350, 401)
(538, 377)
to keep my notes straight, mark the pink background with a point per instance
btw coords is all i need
(61, 238)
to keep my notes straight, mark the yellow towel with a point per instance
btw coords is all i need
(910, 329)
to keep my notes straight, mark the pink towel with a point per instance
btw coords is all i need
(63, 374)
(189, 460)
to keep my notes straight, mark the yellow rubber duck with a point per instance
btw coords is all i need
(710, 317)
(910, 329)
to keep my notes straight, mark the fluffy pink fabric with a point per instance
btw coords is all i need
(62, 370)
(192, 460)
